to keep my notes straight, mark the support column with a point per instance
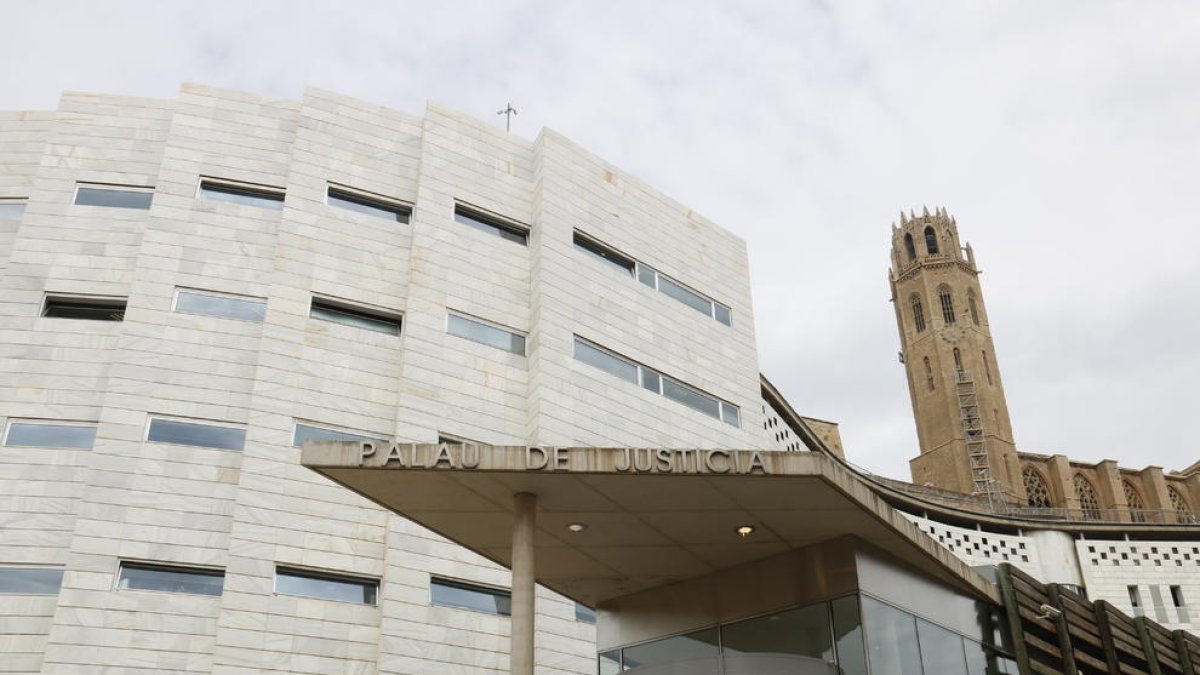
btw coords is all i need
(524, 522)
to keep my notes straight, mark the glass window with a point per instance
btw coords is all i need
(265, 197)
(699, 648)
(941, 650)
(722, 313)
(84, 307)
(483, 333)
(492, 225)
(584, 613)
(647, 276)
(605, 254)
(11, 209)
(686, 296)
(224, 306)
(200, 435)
(49, 435)
(691, 398)
(847, 632)
(371, 206)
(170, 579)
(308, 432)
(325, 586)
(122, 198)
(353, 316)
(610, 662)
(651, 380)
(30, 580)
(470, 596)
(977, 658)
(797, 632)
(891, 639)
(609, 362)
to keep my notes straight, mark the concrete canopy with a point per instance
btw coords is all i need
(650, 517)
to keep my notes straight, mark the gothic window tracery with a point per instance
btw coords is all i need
(1137, 508)
(1180, 506)
(918, 312)
(1036, 491)
(909, 248)
(1088, 502)
(931, 242)
(973, 307)
(947, 302)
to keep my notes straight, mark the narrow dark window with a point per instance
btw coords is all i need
(957, 360)
(463, 595)
(931, 242)
(947, 302)
(372, 206)
(604, 253)
(30, 580)
(973, 307)
(918, 312)
(492, 224)
(909, 248)
(114, 196)
(136, 576)
(197, 434)
(358, 317)
(928, 374)
(322, 586)
(40, 434)
(91, 308)
(485, 334)
(987, 367)
(1177, 596)
(240, 193)
(1135, 599)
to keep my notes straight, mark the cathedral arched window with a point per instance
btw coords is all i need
(987, 367)
(1137, 508)
(1179, 504)
(909, 248)
(1088, 503)
(973, 307)
(918, 312)
(931, 244)
(1036, 491)
(929, 374)
(957, 360)
(947, 302)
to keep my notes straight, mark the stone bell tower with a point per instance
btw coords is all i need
(953, 375)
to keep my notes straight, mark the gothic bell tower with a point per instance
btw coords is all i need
(953, 375)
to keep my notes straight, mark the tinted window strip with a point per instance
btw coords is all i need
(486, 334)
(309, 432)
(12, 209)
(92, 309)
(270, 198)
(605, 254)
(114, 197)
(491, 225)
(463, 595)
(50, 435)
(196, 434)
(356, 317)
(170, 579)
(30, 580)
(222, 306)
(340, 588)
(352, 201)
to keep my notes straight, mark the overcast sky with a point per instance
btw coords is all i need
(1064, 136)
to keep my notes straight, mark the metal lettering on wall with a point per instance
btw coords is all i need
(628, 460)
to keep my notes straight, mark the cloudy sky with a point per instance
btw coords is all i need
(1064, 136)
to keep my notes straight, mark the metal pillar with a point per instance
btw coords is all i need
(524, 522)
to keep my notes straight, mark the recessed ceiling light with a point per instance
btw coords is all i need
(745, 530)
(577, 527)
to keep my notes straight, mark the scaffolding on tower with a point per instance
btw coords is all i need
(983, 483)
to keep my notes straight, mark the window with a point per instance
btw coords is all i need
(804, 631)
(12, 209)
(605, 254)
(909, 249)
(918, 312)
(492, 224)
(584, 613)
(1177, 596)
(90, 307)
(308, 432)
(687, 296)
(201, 435)
(118, 196)
(928, 374)
(477, 331)
(972, 306)
(1137, 509)
(1088, 503)
(958, 360)
(322, 586)
(931, 242)
(30, 580)
(465, 595)
(699, 650)
(207, 303)
(358, 317)
(1135, 599)
(1036, 492)
(136, 576)
(379, 207)
(987, 366)
(1183, 512)
(663, 385)
(247, 194)
(40, 434)
(947, 302)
